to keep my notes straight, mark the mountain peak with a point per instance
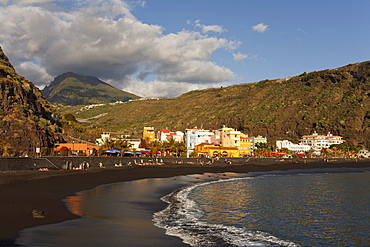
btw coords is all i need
(74, 89)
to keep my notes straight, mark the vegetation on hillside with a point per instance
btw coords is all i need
(335, 100)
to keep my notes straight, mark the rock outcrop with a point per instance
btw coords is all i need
(27, 120)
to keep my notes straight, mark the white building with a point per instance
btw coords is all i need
(104, 138)
(318, 142)
(166, 134)
(292, 147)
(195, 136)
(256, 140)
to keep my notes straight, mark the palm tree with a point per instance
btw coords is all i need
(155, 147)
(309, 153)
(6, 148)
(122, 145)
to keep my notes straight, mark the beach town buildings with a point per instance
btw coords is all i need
(195, 136)
(229, 137)
(257, 139)
(245, 147)
(85, 149)
(318, 142)
(148, 134)
(166, 134)
(314, 141)
(299, 148)
(223, 142)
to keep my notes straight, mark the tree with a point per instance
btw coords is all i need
(70, 117)
(155, 147)
(262, 149)
(5, 148)
(122, 145)
(345, 148)
(309, 153)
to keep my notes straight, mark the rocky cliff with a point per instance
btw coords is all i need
(27, 120)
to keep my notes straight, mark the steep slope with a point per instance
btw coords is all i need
(25, 115)
(335, 100)
(72, 89)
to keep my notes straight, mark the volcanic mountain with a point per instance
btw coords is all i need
(73, 89)
(27, 120)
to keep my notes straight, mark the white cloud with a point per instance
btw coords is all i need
(34, 73)
(261, 28)
(160, 89)
(209, 28)
(102, 38)
(239, 56)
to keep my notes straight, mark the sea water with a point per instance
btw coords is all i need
(275, 209)
(322, 207)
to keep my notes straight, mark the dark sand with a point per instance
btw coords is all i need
(23, 191)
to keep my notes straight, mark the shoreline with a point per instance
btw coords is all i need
(24, 191)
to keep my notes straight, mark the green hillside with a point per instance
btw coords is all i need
(335, 100)
(73, 89)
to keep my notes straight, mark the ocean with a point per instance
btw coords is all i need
(321, 207)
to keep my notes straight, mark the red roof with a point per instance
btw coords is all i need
(164, 131)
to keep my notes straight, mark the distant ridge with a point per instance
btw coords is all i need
(73, 89)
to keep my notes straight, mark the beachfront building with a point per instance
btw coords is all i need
(148, 135)
(258, 139)
(195, 136)
(213, 150)
(104, 138)
(229, 137)
(81, 149)
(245, 145)
(318, 142)
(166, 134)
(298, 148)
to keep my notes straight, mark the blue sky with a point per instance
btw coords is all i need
(166, 48)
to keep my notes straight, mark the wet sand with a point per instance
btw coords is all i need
(23, 191)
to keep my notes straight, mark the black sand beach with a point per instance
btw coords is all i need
(23, 191)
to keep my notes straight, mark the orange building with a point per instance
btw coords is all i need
(79, 148)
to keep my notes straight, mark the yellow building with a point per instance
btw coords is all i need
(148, 134)
(212, 150)
(245, 145)
(229, 137)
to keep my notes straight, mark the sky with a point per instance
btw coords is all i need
(164, 48)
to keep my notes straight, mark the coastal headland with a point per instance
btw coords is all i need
(35, 188)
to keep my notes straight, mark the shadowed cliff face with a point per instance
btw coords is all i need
(25, 115)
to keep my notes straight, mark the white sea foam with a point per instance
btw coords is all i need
(182, 219)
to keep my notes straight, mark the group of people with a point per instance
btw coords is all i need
(82, 166)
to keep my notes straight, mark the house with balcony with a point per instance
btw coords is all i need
(148, 135)
(318, 142)
(298, 148)
(245, 147)
(195, 136)
(166, 134)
